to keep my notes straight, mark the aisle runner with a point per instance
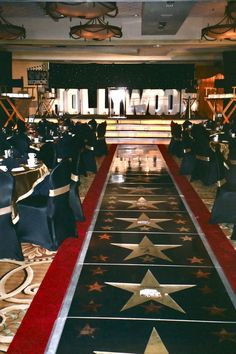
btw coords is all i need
(148, 284)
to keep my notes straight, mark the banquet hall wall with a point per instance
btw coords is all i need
(205, 76)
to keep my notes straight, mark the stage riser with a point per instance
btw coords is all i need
(122, 130)
(134, 140)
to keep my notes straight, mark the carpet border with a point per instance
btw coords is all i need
(49, 298)
(220, 245)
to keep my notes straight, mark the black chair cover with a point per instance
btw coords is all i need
(75, 202)
(47, 221)
(9, 242)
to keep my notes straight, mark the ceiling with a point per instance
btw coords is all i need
(145, 38)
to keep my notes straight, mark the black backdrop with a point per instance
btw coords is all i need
(133, 76)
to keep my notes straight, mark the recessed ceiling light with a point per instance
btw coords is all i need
(170, 4)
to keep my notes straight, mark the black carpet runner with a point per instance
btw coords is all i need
(147, 281)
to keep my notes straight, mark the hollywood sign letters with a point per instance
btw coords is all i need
(152, 101)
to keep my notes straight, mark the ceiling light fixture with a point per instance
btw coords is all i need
(95, 29)
(226, 28)
(86, 10)
(9, 31)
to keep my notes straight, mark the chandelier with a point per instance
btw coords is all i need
(226, 28)
(86, 10)
(95, 29)
(9, 31)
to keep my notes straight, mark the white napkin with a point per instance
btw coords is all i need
(17, 169)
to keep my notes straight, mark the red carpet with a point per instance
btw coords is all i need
(220, 245)
(33, 334)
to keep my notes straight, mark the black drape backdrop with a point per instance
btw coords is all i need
(133, 76)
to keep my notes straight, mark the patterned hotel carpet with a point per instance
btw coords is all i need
(19, 281)
(147, 283)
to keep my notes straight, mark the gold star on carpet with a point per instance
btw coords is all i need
(108, 220)
(201, 274)
(206, 290)
(111, 202)
(151, 290)
(194, 260)
(106, 228)
(95, 287)
(112, 197)
(174, 208)
(186, 238)
(140, 190)
(152, 307)
(100, 258)
(224, 335)
(87, 330)
(92, 306)
(146, 247)
(215, 310)
(142, 203)
(183, 229)
(154, 345)
(173, 203)
(148, 259)
(98, 271)
(180, 221)
(144, 221)
(104, 237)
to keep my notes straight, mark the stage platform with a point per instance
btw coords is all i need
(133, 129)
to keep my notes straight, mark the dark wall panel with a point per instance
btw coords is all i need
(229, 59)
(133, 76)
(5, 68)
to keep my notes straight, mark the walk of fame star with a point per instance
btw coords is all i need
(151, 290)
(98, 271)
(154, 346)
(224, 335)
(186, 238)
(201, 274)
(95, 287)
(139, 190)
(142, 203)
(144, 221)
(104, 237)
(146, 247)
(215, 310)
(91, 306)
(87, 330)
(194, 260)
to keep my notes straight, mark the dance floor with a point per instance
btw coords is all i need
(146, 280)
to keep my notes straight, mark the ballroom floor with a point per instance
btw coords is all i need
(146, 280)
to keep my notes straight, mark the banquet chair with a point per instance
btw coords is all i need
(188, 159)
(47, 221)
(75, 202)
(175, 145)
(223, 210)
(87, 159)
(9, 242)
(209, 163)
(64, 146)
(48, 155)
(101, 145)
